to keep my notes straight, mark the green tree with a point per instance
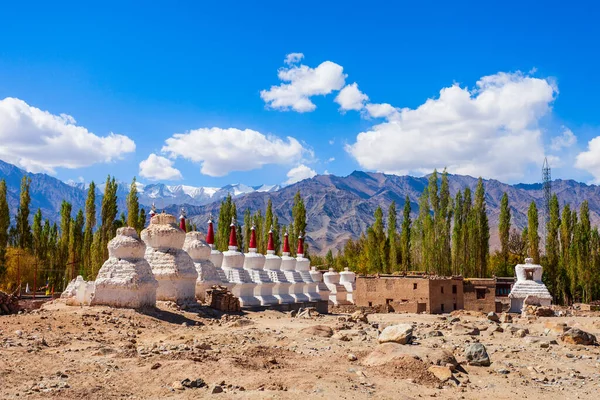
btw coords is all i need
(90, 224)
(299, 221)
(504, 232)
(65, 227)
(223, 223)
(482, 229)
(23, 237)
(4, 225)
(108, 214)
(141, 222)
(405, 235)
(534, 237)
(457, 235)
(133, 207)
(392, 238)
(553, 248)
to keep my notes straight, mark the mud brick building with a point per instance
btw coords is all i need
(419, 293)
(410, 293)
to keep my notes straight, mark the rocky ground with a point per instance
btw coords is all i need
(102, 353)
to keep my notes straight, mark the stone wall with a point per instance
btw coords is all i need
(445, 295)
(390, 290)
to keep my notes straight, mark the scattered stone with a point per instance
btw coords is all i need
(352, 357)
(577, 336)
(477, 355)
(434, 334)
(156, 366)
(503, 371)
(460, 329)
(444, 374)
(177, 385)
(401, 334)
(492, 316)
(217, 389)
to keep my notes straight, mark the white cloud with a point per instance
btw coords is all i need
(589, 160)
(299, 173)
(304, 82)
(221, 151)
(293, 58)
(331, 159)
(565, 140)
(159, 168)
(491, 131)
(39, 141)
(350, 98)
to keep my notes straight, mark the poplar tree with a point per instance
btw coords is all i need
(247, 227)
(108, 214)
(4, 225)
(457, 235)
(23, 230)
(482, 229)
(133, 206)
(37, 234)
(552, 248)
(299, 221)
(90, 224)
(405, 235)
(534, 238)
(565, 236)
(504, 232)
(467, 263)
(65, 226)
(141, 224)
(392, 237)
(444, 224)
(584, 269)
(224, 221)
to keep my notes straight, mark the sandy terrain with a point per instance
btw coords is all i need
(102, 353)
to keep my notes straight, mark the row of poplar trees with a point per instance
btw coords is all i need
(450, 236)
(77, 245)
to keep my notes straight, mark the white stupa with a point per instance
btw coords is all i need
(233, 265)
(288, 267)
(216, 257)
(348, 280)
(254, 263)
(281, 289)
(125, 279)
(303, 268)
(322, 288)
(172, 267)
(529, 288)
(208, 276)
(337, 291)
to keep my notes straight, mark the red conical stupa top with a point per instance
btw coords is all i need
(232, 234)
(286, 244)
(210, 235)
(182, 220)
(271, 243)
(152, 211)
(300, 245)
(252, 244)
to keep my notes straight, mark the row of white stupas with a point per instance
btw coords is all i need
(169, 265)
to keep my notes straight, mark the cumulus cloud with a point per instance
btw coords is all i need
(221, 151)
(489, 131)
(293, 58)
(299, 173)
(564, 140)
(304, 82)
(589, 160)
(350, 98)
(159, 168)
(39, 141)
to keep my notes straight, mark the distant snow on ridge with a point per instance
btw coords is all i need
(164, 195)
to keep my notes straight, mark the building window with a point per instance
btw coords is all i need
(442, 308)
(388, 301)
(370, 304)
(414, 286)
(441, 287)
(454, 306)
(480, 294)
(454, 289)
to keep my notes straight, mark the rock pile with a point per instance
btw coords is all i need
(220, 298)
(8, 304)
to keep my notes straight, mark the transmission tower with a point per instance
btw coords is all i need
(547, 189)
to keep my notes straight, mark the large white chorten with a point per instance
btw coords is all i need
(172, 267)
(208, 276)
(233, 265)
(303, 268)
(288, 266)
(529, 287)
(254, 263)
(322, 288)
(125, 279)
(281, 289)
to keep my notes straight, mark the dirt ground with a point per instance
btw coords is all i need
(102, 353)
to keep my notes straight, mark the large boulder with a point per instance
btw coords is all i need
(401, 334)
(389, 352)
(443, 373)
(577, 336)
(460, 329)
(318, 330)
(477, 355)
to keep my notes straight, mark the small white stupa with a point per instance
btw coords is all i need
(254, 263)
(216, 257)
(348, 279)
(288, 267)
(322, 288)
(281, 289)
(208, 276)
(125, 279)
(172, 267)
(303, 268)
(337, 291)
(529, 288)
(233, 265)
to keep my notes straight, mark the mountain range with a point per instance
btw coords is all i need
(338, 208)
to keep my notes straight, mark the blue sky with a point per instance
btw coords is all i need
(148, 71)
